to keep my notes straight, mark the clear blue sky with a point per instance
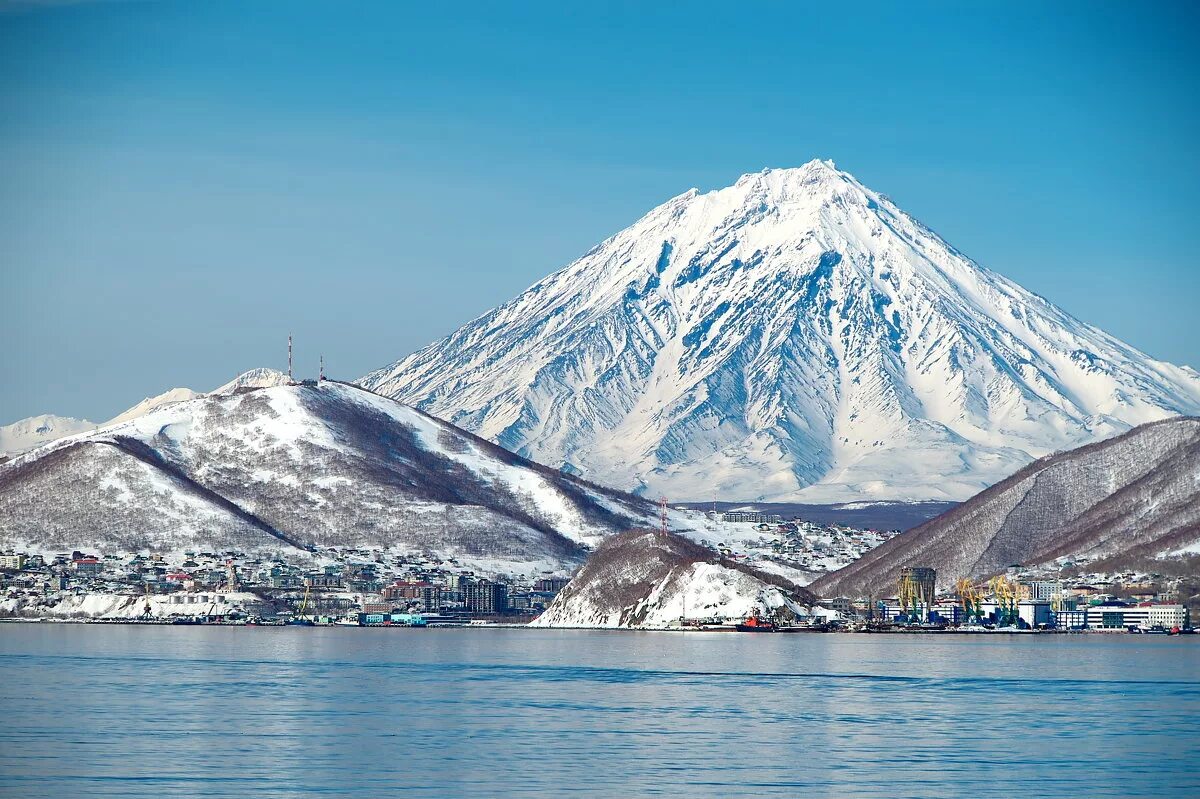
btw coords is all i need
(182, 183)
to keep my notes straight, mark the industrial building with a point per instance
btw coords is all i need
(916, 589)
(1035, 613)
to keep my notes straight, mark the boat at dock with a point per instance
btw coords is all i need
(756, 625)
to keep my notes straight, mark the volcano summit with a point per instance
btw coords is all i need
(795, 336)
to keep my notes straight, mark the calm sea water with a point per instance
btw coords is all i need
(128, 711)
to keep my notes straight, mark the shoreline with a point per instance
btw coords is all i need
(503, 626)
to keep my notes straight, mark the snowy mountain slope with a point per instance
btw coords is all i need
(646, 579)
(106, 493)
(793, 336)
(324, 464)
(151, 403)
(1134, 496)
(34, 431)
(37, 430)
(262, 377)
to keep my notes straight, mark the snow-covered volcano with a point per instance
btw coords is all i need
(795, 335)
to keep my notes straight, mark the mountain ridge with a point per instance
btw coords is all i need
(651, 579)
(1136, 495)
(320, 464)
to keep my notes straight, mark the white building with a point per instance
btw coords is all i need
(1035, 613)
(1145, 616)
(1168, 616)
(1071, 619)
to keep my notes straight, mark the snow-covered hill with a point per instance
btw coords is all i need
(793, 336)
(648, 579)
(1133, 499)
(262, 377)
(28, 433)
(34, 431)
(328, 465)
(151, 403)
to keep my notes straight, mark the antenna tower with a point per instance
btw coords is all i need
(662, 514)
(321, 374)
(289, 357)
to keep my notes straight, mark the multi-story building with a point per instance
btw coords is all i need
(1043, 590)
(431, 597)
(485, 596)
(520, 601)
(551, 585)
(1167, 616)
(283, 581)
(87, 567)
(1145, 616)
(839, 603)
(1071, 619)
(12, 560)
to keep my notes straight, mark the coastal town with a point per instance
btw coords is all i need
(364, 587)
(349, 586)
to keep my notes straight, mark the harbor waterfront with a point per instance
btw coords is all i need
(223, 711)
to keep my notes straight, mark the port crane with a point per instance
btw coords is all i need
(1007, 594)
(916, 598)
(971, 599)
(304, 602)
(299, 617)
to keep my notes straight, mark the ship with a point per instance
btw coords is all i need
(756, 625)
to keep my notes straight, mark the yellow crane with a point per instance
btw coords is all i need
(970, 597)
(1007, 593)
(299, 617)
(915, 590)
